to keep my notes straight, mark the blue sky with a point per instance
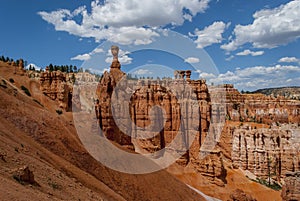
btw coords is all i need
(251, 44)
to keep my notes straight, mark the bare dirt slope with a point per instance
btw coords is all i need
(33, 134)
(235, 180)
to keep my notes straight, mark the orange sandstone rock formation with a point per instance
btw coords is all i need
(58, 86)
(291, 189)
(126, 107)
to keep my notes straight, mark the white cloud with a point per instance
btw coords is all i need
(252, 78)
(188, 17)
(198, 71)
(270, 28)
(207, 75)
(87, 56)
(98, 50)
(124, 22)
(210, 35)
(123, 57)
(289, 60)
(249, 52)
(192, 60)
(82, 57)
(229, 58)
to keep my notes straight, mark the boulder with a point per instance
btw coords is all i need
(24, 175)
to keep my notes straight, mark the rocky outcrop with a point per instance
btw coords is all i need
(291, 188)
(33, 74)
(265, 142)
(103, 105)
(24, 175)
(265, 152)
(147, 94)
(85, 77)
(212, 168)
(127, 110)
(176, 105)
(21, 63)
(160, 115)
(240, 195)
(260, 108)
(58, 86)
(286, 92)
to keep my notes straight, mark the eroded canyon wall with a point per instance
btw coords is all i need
(58, 86)
(125, 109)
(260, 108)
(266, 152)
(291, 188)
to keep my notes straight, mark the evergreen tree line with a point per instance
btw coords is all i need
(7, 59)
(31, 68)
(64, 68)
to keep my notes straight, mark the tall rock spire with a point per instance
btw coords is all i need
(115, 63)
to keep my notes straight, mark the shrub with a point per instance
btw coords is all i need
(59, 112)
(54, 185)
(12, 80)
(26, 91)
(273, 186)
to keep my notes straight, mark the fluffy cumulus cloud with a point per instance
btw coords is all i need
(82, 57)
(125, 21)
(192, 60)
(249, 52)
(270, 28)
(209, 35)
(253, 78)
(87, 56)
(289, 60)
(207, 76)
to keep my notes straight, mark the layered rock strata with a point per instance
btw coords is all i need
(266, 152)
(260, 108)
(291, 188)
(161, 115)
(58, 86)
(126, 110)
